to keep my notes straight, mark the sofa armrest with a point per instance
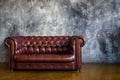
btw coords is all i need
(77, 44)
(11, 47)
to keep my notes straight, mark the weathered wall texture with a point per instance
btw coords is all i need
(98, 21)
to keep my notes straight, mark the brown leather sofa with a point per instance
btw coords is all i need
(44, 52)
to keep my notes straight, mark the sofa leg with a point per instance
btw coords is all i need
(11, 70)
(78, 70)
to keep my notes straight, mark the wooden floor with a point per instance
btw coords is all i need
(87, 72)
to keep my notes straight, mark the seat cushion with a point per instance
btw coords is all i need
(44, 58)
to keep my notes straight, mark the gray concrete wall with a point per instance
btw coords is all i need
(98, 21)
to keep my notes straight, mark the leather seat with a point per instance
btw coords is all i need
(44, 58)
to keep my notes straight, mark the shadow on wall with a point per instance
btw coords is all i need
(110, 44)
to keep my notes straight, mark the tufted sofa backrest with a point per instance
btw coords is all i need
(43, 44)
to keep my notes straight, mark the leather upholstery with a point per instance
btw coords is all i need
(41, 52)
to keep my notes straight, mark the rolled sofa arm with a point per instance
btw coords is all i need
(77, 44)
(11, 47)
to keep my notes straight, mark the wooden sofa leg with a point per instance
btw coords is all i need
(78, 70)
(11, 70)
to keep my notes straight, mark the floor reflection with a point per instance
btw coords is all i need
(44, 75)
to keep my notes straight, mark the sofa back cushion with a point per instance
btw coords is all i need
(45, 44)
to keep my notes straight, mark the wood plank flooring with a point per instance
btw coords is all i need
(87, 72)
